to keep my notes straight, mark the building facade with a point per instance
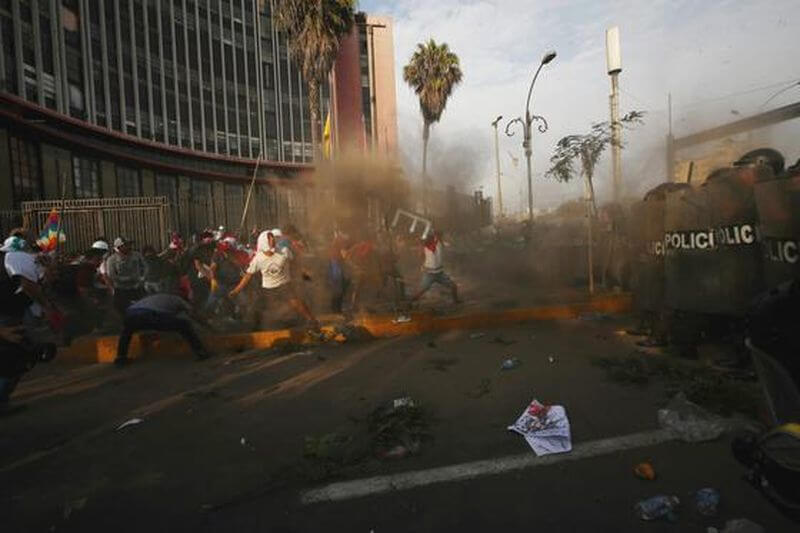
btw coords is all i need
(174, 98)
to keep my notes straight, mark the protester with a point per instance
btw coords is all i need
(74, 286)
(364, 268)
(389, 269)
(126, 270)
(161, 275)
(337, 274)
(433, 267)
(276, 278)
(199, 268)
(23, 302)
(225, 274)
(160, 312)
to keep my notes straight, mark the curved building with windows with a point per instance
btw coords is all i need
(181, 99)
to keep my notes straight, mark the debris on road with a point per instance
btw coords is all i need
(545, 428)
(400, 424)
(658, 507)
(510, 363)
(400, 451)
(505, 342)
(402, 319)
(478, 335)
(739, 525)
(645, 471)
(690, 422)
(719, 392)
(131, 422)
(706, 501)
(481, 390)
(551, 359)
(74, 505)
(442, 363)
(405, 401)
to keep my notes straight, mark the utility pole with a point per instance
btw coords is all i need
(614, 64)
(497, 161)
(670, 142)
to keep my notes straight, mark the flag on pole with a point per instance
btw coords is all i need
(326, 137)
(51, 235)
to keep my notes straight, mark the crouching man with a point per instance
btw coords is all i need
(160, 312)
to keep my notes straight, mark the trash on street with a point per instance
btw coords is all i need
(658, 507)
(405, 401)
(690, 422)
(131, 422)
(545, 428)
(645, 471)
(510, 363)
(706, 501)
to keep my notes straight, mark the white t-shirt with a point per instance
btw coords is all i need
(274, 269)
(24, 265)
(433, 259)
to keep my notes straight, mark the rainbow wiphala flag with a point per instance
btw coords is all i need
(51, 235)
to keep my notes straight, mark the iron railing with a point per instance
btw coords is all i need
(142, 219)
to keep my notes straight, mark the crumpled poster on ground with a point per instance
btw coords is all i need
(545, 428)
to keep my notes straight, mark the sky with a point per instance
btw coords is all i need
(719, 59)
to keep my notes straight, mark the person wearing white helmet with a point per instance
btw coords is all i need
(127, 270)
(276, 279)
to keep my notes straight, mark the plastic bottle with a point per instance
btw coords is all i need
(510, 363)
(706, 501)
(660, 506)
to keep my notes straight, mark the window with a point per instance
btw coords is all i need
(129, 182)
(26, 174)
(167, 185)
(85, 177)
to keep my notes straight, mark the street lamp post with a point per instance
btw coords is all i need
(497, 161)
(527, 134)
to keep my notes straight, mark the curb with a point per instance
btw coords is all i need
(103, 349)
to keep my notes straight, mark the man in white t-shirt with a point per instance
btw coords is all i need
(23, 302)
(276, 279)
(433, 268)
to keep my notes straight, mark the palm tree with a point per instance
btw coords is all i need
(314, 29)
(433, 72)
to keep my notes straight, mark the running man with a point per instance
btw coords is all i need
(433, 268)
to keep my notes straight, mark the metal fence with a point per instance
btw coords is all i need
(143, 219)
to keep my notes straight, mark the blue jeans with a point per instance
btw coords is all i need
(217, 296)
(431, 278)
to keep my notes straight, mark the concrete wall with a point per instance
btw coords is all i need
(349, 118)
(385, 111)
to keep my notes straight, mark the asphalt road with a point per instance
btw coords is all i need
(220, 447)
